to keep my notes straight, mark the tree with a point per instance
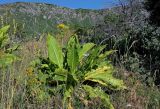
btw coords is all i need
(153, 6)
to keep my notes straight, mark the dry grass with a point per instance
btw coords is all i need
(137, 96)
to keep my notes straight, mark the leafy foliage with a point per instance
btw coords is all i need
(6, 58)
(139, 51)
(54, 52)
(73, 67)
(153, 7)
(96, 92)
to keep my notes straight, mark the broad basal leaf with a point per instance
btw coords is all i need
(93, 56)
(5, 41)
(72, 55)
(54, 51)
(4, 29)
(103, 76)
(98, 93)
(6, 59)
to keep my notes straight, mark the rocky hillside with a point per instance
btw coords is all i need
(32, 19)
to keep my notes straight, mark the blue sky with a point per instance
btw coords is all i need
(89, 4)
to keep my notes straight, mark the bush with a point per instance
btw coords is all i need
(77, 67)
(142, 45)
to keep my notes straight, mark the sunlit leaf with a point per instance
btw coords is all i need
(6, 59)
(103, 76)
(4, 29)
(54, 51)
(72, 55)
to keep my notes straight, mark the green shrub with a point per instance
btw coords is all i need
(77, 67)
(140, 46)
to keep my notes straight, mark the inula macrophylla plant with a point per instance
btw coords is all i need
(71, 67)
(6, 56)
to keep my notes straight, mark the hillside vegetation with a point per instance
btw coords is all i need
(54, 57)
(33, 19)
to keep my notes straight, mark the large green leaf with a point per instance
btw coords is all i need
(5, 42)
(91, 60)
(85, 48)
(54, 51)
(103, 75)
(98, 93)
(88, 63)
(72, 54)
(4, 39)
(4, 29)
(1, 39)
(103, 57)
(6, 59)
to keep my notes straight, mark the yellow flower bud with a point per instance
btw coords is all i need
(62, 26)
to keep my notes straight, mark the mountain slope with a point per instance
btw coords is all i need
(32, 19)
